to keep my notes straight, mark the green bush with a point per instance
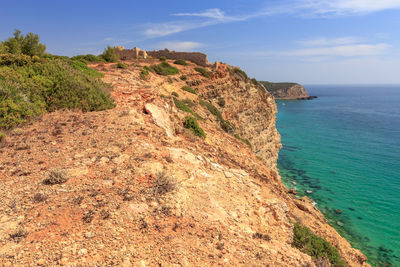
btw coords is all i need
(189, 89)
(163, 59)
(221, 102)
(183, 77)
(2, 136)
(17, 60)
(203, 72)
(175, 94)
(247, 142)
(313, 245)
(184, 107)
(109, 54)
(164, 69)
(225, 125)
(188, 102)
(48, 85)
(191, 123)
(88, 58)
(20, 44)
(144, 73)
(121, 65)
(240, 72)
(79, 65)
(254, 81)
(180, 62)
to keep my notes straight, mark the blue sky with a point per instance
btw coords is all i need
(306, 41)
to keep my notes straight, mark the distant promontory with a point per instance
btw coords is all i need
(285, 90)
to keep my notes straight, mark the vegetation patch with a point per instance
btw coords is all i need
(163, 184)
(88, 58)
(191, 123)
(184, 107)
(221, 102)
(56, 176)
(2, 136)
(164, 69)
(203, 72)
(19, 44)
(313, 245)
(121, 65)
(163, 59)
(180, 62)
(242, 139)
(225, 125)
(241, 73)
(144, 73)
(175, 94)
(109, 54)
(81, 66)
(183, 77)
(189, 89)
(29, 87)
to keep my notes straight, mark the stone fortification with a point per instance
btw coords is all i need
(195, 57)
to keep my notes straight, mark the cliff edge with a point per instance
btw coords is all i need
(287, 90)
(142, 185)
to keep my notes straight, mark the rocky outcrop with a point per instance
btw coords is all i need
(287, 91)
(139, 189)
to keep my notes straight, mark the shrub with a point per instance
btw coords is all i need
(182, 106)
(183, 77)
(20, 44)
(2, 136)
(88, 58)
(210, 107)
(203, 72)
(121, 65)
(163, 185)
(225, 125)
(313, 245)
(36, 87)
(56, 176)
(109, 54)
(188, 102)
(164, 69)
(180, 62)
(79, 65)
(254, 81)
(242, 139)
(175, 94)
(221, 102)
(191, 123)
(240, 72)
(189, 89)
(163, 59)
(144, 73)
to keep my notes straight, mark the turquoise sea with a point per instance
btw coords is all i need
(344, 146)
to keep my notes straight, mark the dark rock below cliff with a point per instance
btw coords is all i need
(287, 90)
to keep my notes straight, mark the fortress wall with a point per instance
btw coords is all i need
(195, 57)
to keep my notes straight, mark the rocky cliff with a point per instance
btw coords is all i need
(131, 186)
(287, 90)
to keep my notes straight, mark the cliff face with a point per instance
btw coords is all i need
(286, 90)
(131, 186)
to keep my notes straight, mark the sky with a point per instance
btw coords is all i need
(305, 41)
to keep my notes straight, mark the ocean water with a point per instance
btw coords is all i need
(345, 148)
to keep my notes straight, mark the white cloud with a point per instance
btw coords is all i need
(323, 41)
(347, 7)
(213, 13)
(179, 46)
(303, 8)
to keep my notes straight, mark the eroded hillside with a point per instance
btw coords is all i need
(131, 186)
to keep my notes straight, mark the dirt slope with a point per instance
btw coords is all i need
(138, 189)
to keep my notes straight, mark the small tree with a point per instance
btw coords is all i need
(20, 44)
(109, 54)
